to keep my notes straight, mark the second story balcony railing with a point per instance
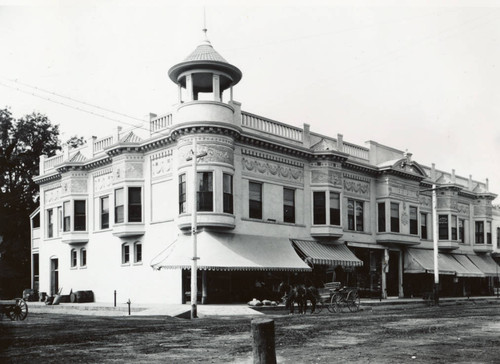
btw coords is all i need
(271, 127)
(160, 123)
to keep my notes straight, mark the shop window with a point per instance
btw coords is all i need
(334, 208)
(125, 253)
(137, 253)
(355, 215)
(205, 191)
(227, 190)
(413, 220)
(134, 204)
(105, 212)
(255, 200)
(74, 258)
(83, 257)
(479, 232)
(394, 217)
(182, 193)
(381, 217)
(319, 208)
(423, 226)
(80, 215)
(443, 227)
(288, 205)
(50, 223)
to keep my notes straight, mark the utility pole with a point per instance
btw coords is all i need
(194, 265)
(435, 240)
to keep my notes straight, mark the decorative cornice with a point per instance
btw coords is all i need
(271, 157)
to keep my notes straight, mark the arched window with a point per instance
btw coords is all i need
(137, 252)
(83, 257)
(74, 260)
(125, 253)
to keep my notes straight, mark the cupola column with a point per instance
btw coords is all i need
(231, 93)
(189, 87)
(180, 93)
(216, 87)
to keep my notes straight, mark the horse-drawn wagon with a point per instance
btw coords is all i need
(335, 298)
(16, 309)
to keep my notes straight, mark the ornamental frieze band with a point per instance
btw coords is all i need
(357, 187)
(324, 176)
(103, 182)
(161, 167)
(215, 154)
(273, 170)
(52, 195)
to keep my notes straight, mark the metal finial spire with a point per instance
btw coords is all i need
(205, 23)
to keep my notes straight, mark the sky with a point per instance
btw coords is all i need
(421, 76)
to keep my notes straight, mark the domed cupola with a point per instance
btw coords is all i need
(204, 71)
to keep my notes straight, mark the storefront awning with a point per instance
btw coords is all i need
(422, 261)
(460, 270)
(486, 264)
(467, 263)
(231, 252)
(314, 252)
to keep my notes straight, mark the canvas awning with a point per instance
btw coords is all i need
(230, 252)
(460, 270)
(422, 261)
(473, 271)
(486, 264)
(314, 252)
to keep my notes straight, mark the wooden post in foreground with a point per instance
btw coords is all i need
(264, 351)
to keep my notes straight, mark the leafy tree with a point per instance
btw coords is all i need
(75, 142)
(22, 142)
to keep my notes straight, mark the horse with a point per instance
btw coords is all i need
(299, 294)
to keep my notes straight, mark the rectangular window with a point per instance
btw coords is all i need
(125, 254)
(488, 232)
(50, 223)
(319, 208)
(36, 221)
(355, 215)
(381, 217)
(105, 212)
(443, 227)
(288, 205)
(479, 232)
(205, 192)
(119, 206)
(227, 190)
(255, 200)
(182, 193)
(80, 216)
(66, 216)
(423, 226)
(394, 217)
(83, 257)
(134, 204)
(413, 220)
(74, 260)
(334, 208)
(137, 253)
(461, 230)
(498, 238)
(454, 232)
(60, 219)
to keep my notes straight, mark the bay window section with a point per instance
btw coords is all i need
(488, 232)
(227, 190)
(479, 232)
(255, 200)
(355, 215)
(394, 217)
(443, 227)
(461, 230)
(105, 212)
(134, 204)
(119, 206)
(66, 216)
(381, 217)
(80, 217)
(413, 220)
(334, 208)
(182, 193)
(423, 226)
(205, 191)
(288, 205)
(319, 208)
(454, 232)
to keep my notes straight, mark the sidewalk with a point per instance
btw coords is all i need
(183, 311)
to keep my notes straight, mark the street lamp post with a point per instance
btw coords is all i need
(194, 265)
(435, 241)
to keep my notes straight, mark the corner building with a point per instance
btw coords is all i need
(274, 202)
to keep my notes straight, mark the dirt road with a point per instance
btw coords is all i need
(450, 334)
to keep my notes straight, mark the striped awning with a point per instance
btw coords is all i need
(473, 270)
(314, 252)
(486, 264)
(422, 261)
(231, 252)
